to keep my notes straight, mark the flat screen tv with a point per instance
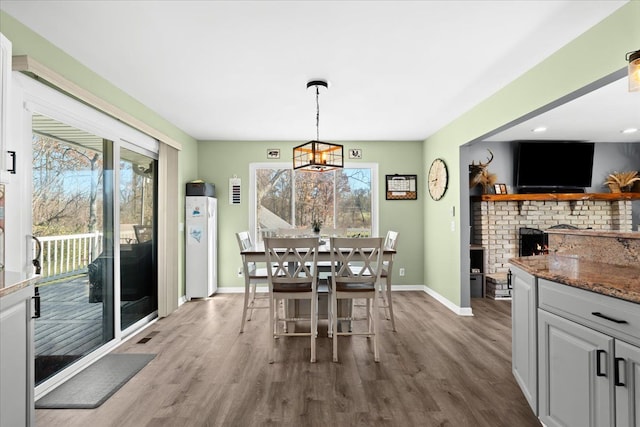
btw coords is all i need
(553, 166)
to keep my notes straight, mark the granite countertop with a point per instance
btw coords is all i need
(15, 281)
(608, 279)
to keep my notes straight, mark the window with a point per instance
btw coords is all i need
(342, 198)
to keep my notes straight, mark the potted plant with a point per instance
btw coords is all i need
(315, 225)
(622, 181)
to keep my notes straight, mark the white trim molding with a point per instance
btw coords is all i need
(460, 311)
(24, 63)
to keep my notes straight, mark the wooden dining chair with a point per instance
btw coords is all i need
(390, 243)
(293, 277)
(356, 266)
(253, 275)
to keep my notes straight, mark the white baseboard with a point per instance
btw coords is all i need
(460, 311)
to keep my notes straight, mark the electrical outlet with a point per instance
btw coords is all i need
(240, 273)
(401, 271)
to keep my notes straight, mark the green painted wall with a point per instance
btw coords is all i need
(595, 54)
(218, 161)
(26, 42)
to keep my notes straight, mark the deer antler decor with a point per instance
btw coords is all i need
(478, 174)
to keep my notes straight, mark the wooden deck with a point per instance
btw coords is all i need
(69, 324)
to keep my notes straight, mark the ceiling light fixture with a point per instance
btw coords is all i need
(539, 129)
(318, 156)
(629, 130)
(634, 70)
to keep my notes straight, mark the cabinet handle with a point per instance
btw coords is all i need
(12, 154)
(616, 375)
(598, 363)
(36, 304)
(611, 319)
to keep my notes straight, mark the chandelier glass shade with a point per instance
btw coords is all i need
(316, 155)
(634, 71)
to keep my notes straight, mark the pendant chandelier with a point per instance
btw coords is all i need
(318, 156)
(634, 70)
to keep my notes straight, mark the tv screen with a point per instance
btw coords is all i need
(554, 165)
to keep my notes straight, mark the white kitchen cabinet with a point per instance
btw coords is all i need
(524, 327)
(16, 358)
(627, 384)
(588, 358)
(5, 79)
(575, 371)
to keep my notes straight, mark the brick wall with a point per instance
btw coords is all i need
(496, 223)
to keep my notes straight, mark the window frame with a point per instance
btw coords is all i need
(253, 208)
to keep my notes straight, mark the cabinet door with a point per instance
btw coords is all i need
(524, 335)
(575, 374)
(5, 78)
(16, 355)
(627, 369)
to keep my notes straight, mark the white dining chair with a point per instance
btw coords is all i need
(390, 243)
(356, 266)
(253, 275)
(293, 277)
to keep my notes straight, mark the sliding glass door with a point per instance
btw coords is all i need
(138, 201)
(72, 208)
(93, 188)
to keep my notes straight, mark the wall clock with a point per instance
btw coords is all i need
(438, 179)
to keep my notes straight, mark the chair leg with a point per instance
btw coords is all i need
(375, 314)
(271, 329)
(252, 300)
(390, 304)
(368, 303)
(246, 302)
(334, 324)
(314, 327)
(385, 304)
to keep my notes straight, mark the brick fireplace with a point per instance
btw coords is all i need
(497, 222)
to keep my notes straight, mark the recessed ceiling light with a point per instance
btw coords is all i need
(629, 130)
(539, 129)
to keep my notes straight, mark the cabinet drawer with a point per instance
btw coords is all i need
(616, 317)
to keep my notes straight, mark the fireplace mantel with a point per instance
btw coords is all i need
(613, 197)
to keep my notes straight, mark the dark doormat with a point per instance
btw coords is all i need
(92, 386)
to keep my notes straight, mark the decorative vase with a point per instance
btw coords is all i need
(614, 188)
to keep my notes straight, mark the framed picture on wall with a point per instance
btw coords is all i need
(401, 187)
(273, 153)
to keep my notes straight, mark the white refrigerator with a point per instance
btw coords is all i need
(201, 246)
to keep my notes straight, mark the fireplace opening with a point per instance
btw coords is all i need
(533, 241)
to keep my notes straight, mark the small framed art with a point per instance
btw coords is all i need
(401, 187)
(273, 153)
(500, 188)
(355, 153)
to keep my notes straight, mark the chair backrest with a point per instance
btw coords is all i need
(144, 233)
(391, 241)
(294, 262)
(244, 240)
(356, 259)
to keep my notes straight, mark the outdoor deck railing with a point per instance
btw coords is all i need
(67, 255)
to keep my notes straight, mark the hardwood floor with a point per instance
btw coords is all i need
(438, 369)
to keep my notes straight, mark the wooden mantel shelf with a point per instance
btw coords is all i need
(612, 197)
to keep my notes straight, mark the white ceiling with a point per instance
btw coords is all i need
(237, 70)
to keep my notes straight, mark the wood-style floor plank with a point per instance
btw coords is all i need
(438, 369)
